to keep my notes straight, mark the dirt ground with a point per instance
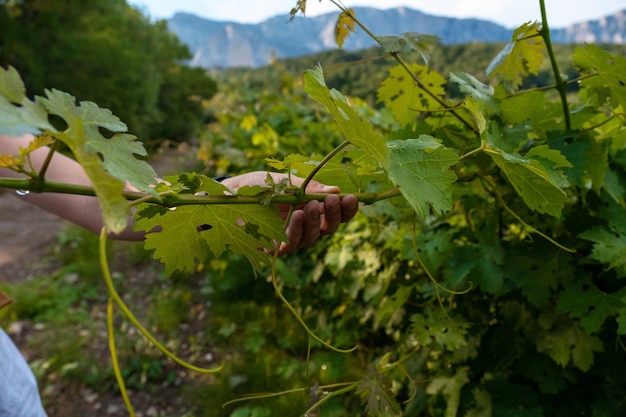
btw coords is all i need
(27, 234)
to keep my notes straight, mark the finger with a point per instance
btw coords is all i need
(349, 207)
(331, 217)
(311, 229)
(294, 232)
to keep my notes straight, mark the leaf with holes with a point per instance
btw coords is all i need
(187, 235)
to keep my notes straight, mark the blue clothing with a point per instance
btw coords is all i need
(19, 396)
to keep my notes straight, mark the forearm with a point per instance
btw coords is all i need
(81, 210)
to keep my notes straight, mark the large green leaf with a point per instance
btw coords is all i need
(609, 246)
(356, 129)
(537, 177)
(584, 301)
(188, 234)
(566, 343)
(107, 162)
(19, 115)
(421, 169)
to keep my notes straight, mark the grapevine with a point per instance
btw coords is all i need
(479, 229)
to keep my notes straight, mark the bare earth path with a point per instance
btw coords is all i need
(26, 234)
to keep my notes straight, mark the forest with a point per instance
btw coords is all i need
(483, 276)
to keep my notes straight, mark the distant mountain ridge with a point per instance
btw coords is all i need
(230, 44)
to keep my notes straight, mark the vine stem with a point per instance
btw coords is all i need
(293, 311)
(430, 276)
(560, 84)
(331, 395)
(169, 199)
(323, 162)
(46, 162)
(116, 365)
(528, 227)
(131, 317)
(276, 394)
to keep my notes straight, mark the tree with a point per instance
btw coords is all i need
(107, 52)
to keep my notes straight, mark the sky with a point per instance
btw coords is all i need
(509, 13)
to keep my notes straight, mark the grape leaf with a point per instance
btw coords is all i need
(434, 329)
(343, 27)
(405, 98)
(476, 109)
(520, 108)
(537, 178)
(189, 233)
(538, 275)
(450, 387)
(407, 43)
(609, 247)
(375, 392)
(586, 302)
(19, 115)
(117, 158)
(356, 129)
(96, 154)
(520, 57)
(473, 87)
(567, 343)
(610, 70)
(421, 169)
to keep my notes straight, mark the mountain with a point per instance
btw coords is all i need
(223, 44)
(609, 29)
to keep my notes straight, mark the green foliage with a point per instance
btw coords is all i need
(491, 285)
(107, 161)
(107, 52)
(519, 58)
(192, 232)
(419, 167)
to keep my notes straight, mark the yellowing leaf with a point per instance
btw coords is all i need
(401, 93)
(520, 57)
(9, 161)
(609, 80)
(248, 122)
(345, 25)
(421, 169)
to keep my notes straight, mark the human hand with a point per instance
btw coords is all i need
(313, 219)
